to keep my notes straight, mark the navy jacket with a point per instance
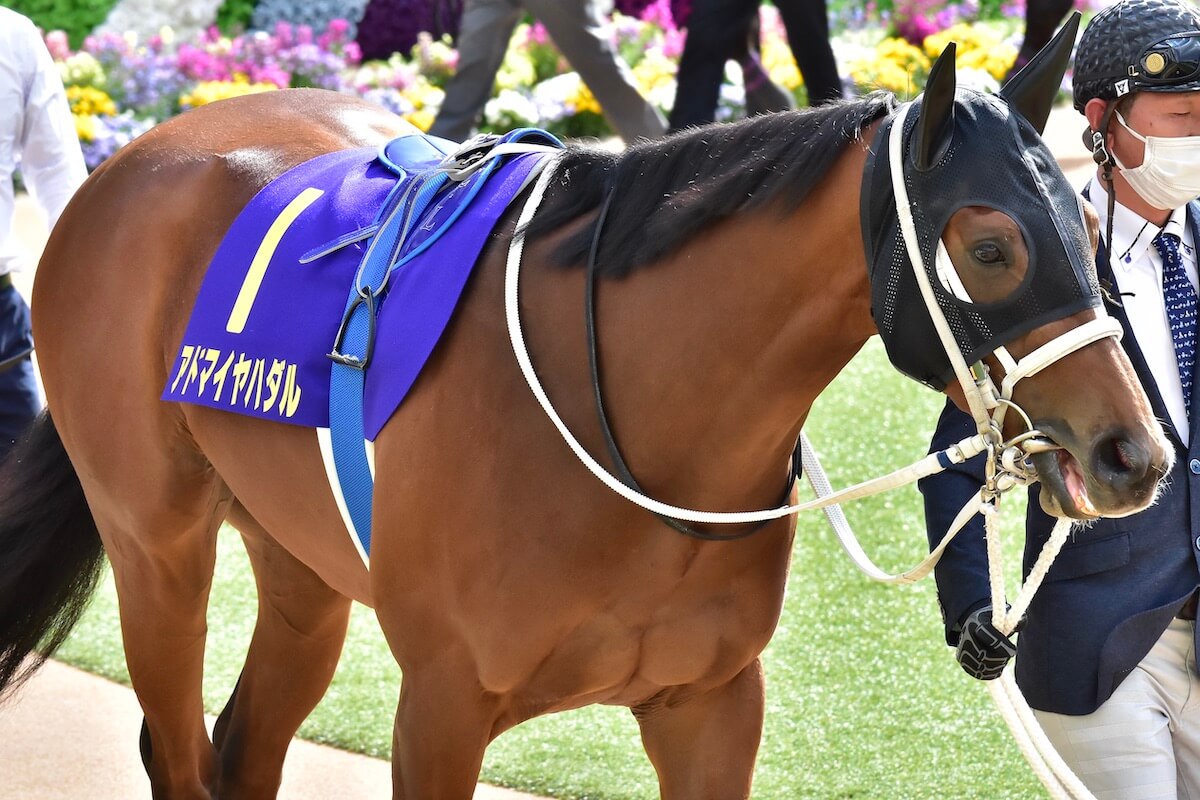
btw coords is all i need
(1115, 586)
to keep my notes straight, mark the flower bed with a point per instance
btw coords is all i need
(119, 85)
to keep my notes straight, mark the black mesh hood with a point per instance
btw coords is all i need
(996, 159)
(1114, 40)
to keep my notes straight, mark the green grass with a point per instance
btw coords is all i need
(864, 700)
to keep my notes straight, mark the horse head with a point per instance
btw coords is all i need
(1004, 254)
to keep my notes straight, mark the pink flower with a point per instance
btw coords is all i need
(270, 73)
(538, 34)
(283, 33)
(673, 41)
(338, 28)
(58, 45)
(659, 13)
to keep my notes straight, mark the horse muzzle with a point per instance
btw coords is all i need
(1115, 474)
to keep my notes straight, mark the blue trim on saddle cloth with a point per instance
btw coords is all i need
(274, 295)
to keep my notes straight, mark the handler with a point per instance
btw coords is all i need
(1107, 655)
(38, 135)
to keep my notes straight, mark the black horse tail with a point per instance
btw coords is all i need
(50, 552)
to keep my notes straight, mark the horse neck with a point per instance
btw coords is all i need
(724, 346)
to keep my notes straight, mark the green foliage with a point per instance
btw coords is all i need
(76, 17)
(233, 17)
(864, 700)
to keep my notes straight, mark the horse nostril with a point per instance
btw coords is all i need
(1122, 456)
(1124, 462)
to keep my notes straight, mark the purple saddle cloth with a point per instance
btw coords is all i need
(267, 316)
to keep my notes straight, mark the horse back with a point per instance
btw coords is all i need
(119, 276)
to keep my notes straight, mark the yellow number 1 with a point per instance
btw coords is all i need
(266, 249)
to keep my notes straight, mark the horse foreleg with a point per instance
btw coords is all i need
(293, 654)
(443, 725)
(162, 588)
(705, 745)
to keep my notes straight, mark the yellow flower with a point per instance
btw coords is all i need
(423, 94)
(897, 66)
(779, 64)
(654, 70)
(422, 118)
(977, 48)
(516, 71)
(212, 91)
(85, 127)
(583, 100)
(86, 100)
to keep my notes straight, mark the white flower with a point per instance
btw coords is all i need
(554, 97)
(978, 79)
(510, 109)
(145, 18)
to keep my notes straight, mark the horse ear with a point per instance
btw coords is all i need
(935, 124)
(1031, 92)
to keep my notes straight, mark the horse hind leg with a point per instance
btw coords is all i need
(294, 651)
(161, 540)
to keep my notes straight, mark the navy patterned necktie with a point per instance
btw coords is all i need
(1180, 300)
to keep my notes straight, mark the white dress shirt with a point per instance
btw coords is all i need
(1138, 269)
(37, 131)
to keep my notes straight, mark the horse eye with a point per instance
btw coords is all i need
(989, 253)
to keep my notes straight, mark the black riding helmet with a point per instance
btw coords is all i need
(1133, 46)
(1138, 46)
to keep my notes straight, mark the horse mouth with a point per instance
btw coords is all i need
(1065, 492)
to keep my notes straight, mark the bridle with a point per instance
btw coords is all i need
(1008, 461)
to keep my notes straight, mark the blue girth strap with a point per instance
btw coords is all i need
(351, 354)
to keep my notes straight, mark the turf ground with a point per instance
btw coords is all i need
(864, 699)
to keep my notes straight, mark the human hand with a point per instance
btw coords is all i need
(983, 652)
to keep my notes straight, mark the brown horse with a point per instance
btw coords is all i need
(508, 581)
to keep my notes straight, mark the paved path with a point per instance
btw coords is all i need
(70, 735)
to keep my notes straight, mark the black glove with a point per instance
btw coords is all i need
(983, 652)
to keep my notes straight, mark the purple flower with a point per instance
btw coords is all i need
(392, 26)
(112, 133)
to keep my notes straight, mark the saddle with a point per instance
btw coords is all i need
(412, 219)
(344, 251)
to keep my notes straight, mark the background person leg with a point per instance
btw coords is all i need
(487, 27)
(20, 400)
(807, 23)
(716, 30)
(578, 31)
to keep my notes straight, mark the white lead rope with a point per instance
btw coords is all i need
(1054, 773)
(980, 396)
(819, 481)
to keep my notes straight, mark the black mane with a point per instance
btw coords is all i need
(667, 190)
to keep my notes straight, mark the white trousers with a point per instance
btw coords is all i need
(1143, 743)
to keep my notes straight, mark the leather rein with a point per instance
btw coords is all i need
(614, 452)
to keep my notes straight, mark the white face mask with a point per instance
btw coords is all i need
(1170, 172)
